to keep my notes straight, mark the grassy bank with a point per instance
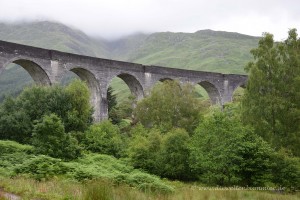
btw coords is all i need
(106, 190)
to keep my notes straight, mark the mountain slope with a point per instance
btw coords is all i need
(205, 50)
(52, 35)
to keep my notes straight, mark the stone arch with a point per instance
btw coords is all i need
(94, 87)
(133, 83)
(212, 92)
(37, 73)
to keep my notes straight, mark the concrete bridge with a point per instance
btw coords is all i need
(47, 67)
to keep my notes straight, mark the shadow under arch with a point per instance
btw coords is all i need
(94, 88)
(36, 72)
(212, 92)
(134, 85)
(165, 79)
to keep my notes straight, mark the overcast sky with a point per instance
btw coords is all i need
(115, 18)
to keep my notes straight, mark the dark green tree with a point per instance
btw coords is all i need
(271, 103)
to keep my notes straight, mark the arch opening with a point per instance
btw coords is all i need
(134, 85)
(123, 92)
(92, 83)
(212, 92)
(19, 73)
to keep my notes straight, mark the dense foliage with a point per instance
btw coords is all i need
(71, 104)
(224, 152)
(104, 138)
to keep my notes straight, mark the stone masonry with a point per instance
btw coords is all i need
(47, 67)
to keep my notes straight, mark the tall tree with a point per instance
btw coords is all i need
(271, 103)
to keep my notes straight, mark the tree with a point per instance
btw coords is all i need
(271, 103)
(49, 138)
(224, 152)
(170, 105)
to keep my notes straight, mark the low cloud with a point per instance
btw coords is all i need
(114, 18)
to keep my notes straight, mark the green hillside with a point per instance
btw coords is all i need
(206, 50)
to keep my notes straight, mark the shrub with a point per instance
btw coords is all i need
(9, 147)
(174, 155)
(49, 138)
(42, 167)
(104, 138)
(286, 171)
(12, 154)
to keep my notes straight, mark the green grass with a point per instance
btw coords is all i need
(104, 189)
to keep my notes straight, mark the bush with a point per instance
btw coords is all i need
(12, 154)
(97, 166)
(42, 167)
(9, 147)
(174, 155)
(104, 138)
(286, 171)
(144, 149)
(49, 138)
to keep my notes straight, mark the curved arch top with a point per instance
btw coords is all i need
(35, 70)
(212, 92)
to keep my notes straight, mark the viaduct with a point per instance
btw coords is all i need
(47, 67)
